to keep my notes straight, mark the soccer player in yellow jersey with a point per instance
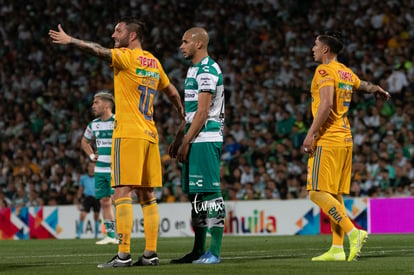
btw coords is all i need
(329, 143)
(136, 164)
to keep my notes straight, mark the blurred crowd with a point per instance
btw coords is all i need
(264, 49)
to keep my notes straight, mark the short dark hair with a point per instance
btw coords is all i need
(333, 39)
(135, 25)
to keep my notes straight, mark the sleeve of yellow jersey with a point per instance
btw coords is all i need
(164, 81)
(121, 58)
(325, 76)
(357, 81)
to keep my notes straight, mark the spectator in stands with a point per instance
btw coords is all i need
(231, 148)
(397, 81)
(412, 189)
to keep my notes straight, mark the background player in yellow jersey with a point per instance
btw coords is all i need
(329, 143)
(136, 164)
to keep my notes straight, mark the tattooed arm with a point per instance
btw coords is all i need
(374, 89)
(60, 37)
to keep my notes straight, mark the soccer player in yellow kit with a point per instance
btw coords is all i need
(136, 164)
(329, 143)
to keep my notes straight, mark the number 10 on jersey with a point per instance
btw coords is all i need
(145, 101)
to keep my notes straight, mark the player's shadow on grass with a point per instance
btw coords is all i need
(241, 259)
(10, 267)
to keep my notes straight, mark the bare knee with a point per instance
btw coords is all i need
(122, 191)
(145, 194)
(106, 202)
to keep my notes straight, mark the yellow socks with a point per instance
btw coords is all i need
(151, 223)
(333, 208)
(337, 234)
(124, 219)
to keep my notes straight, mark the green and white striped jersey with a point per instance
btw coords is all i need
(101, 131)
(205, 76)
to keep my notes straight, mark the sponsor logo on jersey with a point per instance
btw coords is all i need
(345, 86)
(205, 82)
(322, 72)
(189, 95)
(190, 83)
(145, 73)
(344, 75)
(198, 183)
(104, 142)
(148, 62)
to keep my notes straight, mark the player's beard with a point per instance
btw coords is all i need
(188, 55)
(191, 51)
(97, 113)
(122, 43)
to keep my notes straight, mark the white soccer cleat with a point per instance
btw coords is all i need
(108, 240)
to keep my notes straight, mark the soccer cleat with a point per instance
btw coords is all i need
(208, 258)
(187, 259)
(356, 241)
(151, 260)
(108, 240)
(117, 262)
(332, 255)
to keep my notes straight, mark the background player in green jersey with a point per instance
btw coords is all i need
(198, 146)
(100, 131)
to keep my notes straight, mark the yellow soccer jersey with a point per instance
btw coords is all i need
(336, 130)
(138, 75)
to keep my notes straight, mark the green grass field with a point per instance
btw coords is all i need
(382, 254)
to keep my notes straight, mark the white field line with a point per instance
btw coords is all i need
(255, 254)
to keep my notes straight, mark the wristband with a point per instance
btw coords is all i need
(92, 157)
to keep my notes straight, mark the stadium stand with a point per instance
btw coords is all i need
(263, 47)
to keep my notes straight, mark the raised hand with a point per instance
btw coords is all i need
(59, 37)
(381, 93)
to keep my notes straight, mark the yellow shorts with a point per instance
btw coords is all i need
(329, 169)
(135, 162)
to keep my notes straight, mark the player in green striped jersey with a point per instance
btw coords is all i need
(198, 146)
(100, 130)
